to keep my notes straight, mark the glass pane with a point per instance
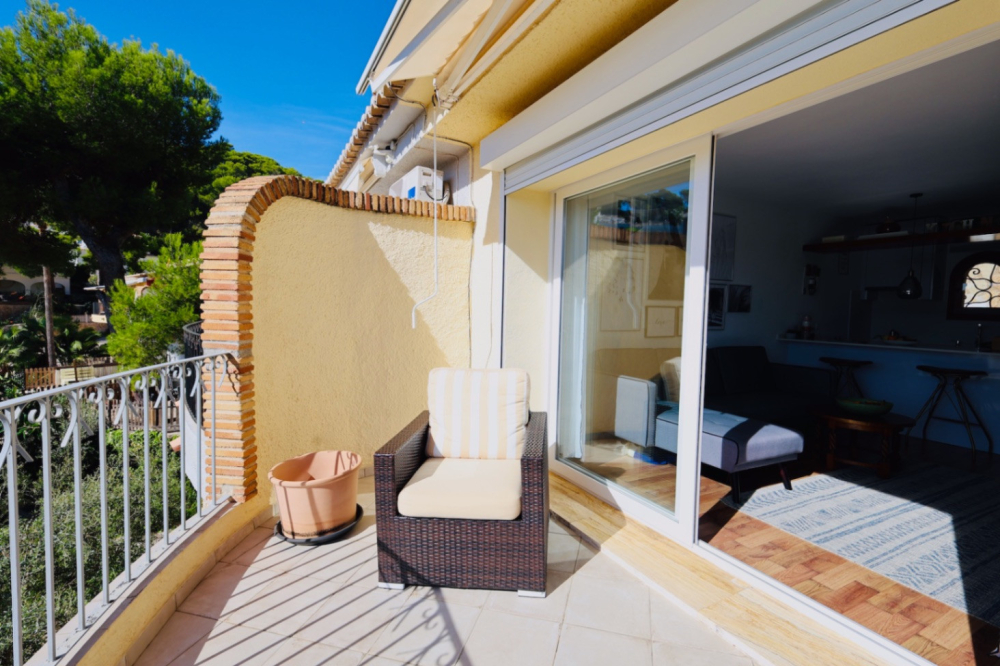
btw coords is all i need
(622, 301)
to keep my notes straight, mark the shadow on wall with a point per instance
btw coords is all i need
(336, 364)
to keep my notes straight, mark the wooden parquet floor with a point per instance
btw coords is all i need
(939, 633)
(935, 631)
(657, 483)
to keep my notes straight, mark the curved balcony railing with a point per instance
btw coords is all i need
(96, 493)
(192, 340)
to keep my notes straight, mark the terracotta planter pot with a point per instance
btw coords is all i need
(317, 492)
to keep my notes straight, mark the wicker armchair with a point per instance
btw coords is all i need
(449, 552)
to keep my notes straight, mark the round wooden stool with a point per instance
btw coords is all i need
(843, 377)
(950, 385)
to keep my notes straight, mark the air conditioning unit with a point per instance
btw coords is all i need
(418, 184)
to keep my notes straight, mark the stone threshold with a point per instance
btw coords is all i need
(768, 630)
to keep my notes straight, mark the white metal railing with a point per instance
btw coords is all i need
(98, 418)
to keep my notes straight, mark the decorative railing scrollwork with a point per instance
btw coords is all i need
(95, 448)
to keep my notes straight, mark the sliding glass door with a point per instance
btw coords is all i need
(625, 401)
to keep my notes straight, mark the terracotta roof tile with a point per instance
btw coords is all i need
(369, 123)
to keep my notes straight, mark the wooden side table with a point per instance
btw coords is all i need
(888, 427)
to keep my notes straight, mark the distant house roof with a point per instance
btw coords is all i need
(138, 279)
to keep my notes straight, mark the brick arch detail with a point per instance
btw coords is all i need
(227, 302)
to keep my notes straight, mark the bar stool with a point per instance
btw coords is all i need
(951, 378)
(843, 377)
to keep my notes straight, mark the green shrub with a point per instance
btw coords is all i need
(145, 326)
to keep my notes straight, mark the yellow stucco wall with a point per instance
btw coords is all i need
(336, 364)
(526, 293)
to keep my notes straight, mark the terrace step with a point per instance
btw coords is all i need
(765, 628)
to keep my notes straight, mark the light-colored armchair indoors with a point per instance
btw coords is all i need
(729, 442)
(461, 493)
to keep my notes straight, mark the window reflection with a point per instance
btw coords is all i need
(623, 285)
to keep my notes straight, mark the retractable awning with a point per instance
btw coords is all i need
(420, 38)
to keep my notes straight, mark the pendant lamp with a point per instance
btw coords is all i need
(910, 289)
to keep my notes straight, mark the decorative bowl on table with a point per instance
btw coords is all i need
(865, 407)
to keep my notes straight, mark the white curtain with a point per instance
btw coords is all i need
(573, 358)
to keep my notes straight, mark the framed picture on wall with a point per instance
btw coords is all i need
(661, 321)
(717, 306)
(740, 298)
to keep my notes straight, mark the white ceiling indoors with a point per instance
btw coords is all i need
(934, 130)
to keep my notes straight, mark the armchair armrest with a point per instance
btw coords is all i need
(535, 471)
(635, 410)
(398, 460)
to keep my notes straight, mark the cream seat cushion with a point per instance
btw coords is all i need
(467, 488)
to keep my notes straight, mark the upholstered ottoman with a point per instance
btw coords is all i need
(733, 443)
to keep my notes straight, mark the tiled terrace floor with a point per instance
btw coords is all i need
(270, 603)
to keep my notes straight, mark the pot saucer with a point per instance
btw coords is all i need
(335, 534)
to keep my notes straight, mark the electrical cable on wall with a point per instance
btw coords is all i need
(433, 196)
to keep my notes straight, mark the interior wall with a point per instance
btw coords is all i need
(526, 289)
(769, 259)
(911, 318)
(336, 364)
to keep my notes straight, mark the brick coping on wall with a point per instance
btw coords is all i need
(227, 301)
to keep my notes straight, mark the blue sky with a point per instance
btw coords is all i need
(286, 71)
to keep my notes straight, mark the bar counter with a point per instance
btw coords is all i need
(893, 376)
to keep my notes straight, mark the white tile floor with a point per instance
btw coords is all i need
(270, 603)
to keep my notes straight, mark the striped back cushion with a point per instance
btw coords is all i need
(477, 413)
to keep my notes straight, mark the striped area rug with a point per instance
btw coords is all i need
(934, 529)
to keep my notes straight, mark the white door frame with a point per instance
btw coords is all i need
(683, 525)
(683, 530)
